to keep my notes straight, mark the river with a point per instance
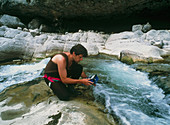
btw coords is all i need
(128, 95)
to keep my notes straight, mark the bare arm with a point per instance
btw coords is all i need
(61, 62)
(83, 75)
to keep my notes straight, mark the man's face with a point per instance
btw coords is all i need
(77, 58)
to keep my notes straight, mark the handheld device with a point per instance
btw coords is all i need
(94, 79)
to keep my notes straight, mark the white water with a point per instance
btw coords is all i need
(126, 93)
(130, 95)
(14, 74)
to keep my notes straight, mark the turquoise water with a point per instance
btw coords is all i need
(129, 94)
(126, 93)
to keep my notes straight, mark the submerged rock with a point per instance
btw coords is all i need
(158, 73)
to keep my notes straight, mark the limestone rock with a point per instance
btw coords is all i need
(16, 44)
(11, 21)
(160, 38)
(130, 57)
(144, 28)
(3, 30)
(29, 44)
(136, 27)
(21, 103)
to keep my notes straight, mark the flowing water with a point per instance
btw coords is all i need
(127, 94)
(14, 74)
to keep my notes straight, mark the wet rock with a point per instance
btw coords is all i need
(21, 103)
(55, 119)
(158, 73)
(130, 57)
(26, 93)
(13, 113)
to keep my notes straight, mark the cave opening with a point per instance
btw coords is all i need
(113, 25)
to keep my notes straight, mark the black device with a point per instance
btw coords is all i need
(94, 79)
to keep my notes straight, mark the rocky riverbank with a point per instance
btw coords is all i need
(34, 103)
(143, 48)
(142, 44)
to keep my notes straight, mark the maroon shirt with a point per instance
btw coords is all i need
(52, 68)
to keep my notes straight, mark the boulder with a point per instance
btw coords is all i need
(34, 24)
(16, 44)
(3, 30)
(91, 48)
(137, 27)
(160, 38)
(11, 33)
(117, 43)
(130, 57)
(144, 28)
(11, 49)
(34, 44)
(56, 43)
(11, 21)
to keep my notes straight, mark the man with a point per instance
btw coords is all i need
(63, 71)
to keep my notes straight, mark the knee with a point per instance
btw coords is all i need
(63, 97)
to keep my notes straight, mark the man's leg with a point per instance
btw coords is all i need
(60, 90)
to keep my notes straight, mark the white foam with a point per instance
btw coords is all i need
(131, 96)
(14, 74)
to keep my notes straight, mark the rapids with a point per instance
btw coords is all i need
(128, 95)
(14, 74)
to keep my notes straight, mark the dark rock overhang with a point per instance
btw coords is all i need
(61, 11)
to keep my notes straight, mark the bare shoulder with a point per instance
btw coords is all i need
(58, 59)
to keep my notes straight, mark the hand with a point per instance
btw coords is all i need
(86, 82)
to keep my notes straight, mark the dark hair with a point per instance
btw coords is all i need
(79, 49)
